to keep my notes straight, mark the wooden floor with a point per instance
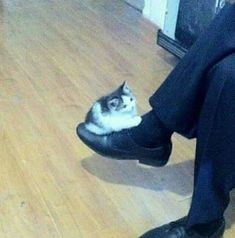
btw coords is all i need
(56, 57)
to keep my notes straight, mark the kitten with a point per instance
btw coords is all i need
(114, 112)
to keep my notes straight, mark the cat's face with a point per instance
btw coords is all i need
(122, 100)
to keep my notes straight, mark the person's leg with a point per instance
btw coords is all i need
(179, 99)
(215, 154)
(215, 159)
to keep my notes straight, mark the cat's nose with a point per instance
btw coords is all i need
(131, 99)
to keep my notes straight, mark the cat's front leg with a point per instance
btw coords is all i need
(131, 122)
(125, 123)
(136, 121)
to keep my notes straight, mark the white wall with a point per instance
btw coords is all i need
(171, 18)
(155, 11)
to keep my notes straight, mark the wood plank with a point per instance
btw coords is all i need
(56, 58)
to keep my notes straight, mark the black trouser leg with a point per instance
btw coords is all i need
(179, 100)
(215, 155)
(198, 100)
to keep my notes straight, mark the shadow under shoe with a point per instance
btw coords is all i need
(120, 145)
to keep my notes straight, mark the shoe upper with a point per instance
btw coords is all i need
(178, 229)
(120, 145)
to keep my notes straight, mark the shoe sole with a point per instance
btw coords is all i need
(156, 162)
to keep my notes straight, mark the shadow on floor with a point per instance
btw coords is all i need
(177, 178)
(230, 212)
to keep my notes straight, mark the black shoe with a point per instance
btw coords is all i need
(119, 145)
(177, 230)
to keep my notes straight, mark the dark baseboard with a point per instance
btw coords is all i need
(138, 5)
(173, 46)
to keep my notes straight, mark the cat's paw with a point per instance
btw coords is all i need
(137, 121)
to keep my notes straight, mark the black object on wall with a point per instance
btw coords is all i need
(193, 18)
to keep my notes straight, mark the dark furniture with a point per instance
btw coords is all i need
(193, 18)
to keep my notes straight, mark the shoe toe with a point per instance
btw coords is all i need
(82, 132)
(90, 139)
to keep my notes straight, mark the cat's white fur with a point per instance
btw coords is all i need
(115, 121)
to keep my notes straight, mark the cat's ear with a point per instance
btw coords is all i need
(113, 103)
(125, 87)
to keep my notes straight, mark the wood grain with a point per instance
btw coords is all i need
(56, 58)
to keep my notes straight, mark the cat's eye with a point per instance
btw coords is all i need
(131, 99)
(124, 106)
